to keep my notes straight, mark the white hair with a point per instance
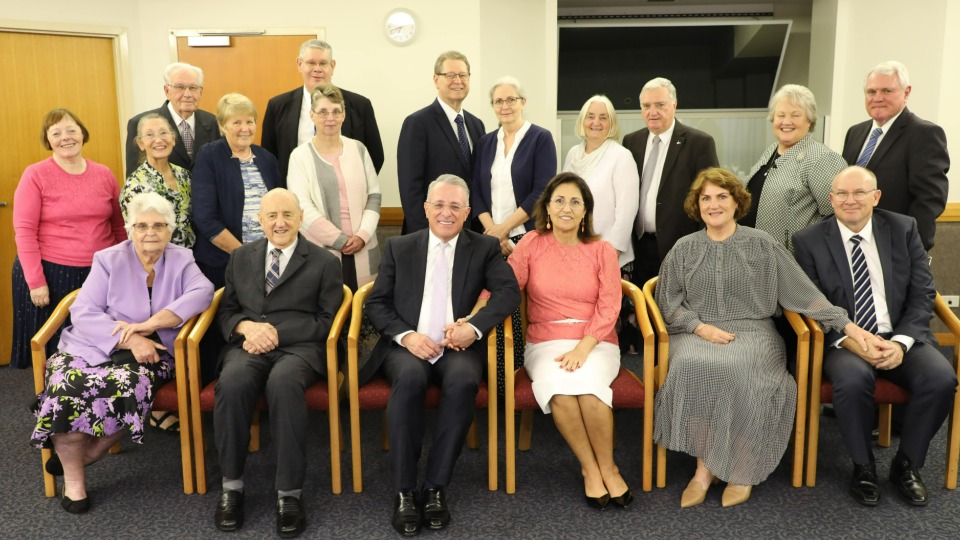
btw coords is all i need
(799, 96)
(508, 81)
(450, 180)
(178, 66)
(660, 82)
(149, 202)
(316, 44)
(890, 67)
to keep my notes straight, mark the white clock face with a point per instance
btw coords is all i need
(400, 27)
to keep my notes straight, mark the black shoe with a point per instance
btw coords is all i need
(229, 515)
(600, 503)
(907, 479)
(624, 500)
(406, 513)
(291, 518)
(865, 487)
(436, 515)
(75, 507)
(54, 466)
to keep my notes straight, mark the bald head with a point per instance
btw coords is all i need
(853, 195)
(280, 217)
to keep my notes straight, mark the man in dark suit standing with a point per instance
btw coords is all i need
(278, 304)
(669, 156)
(438, 139)
(287, 123)
(906, 153)
(872, 263)
(183, 86)
(427, 281)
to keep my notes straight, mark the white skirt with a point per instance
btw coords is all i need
(594, 376)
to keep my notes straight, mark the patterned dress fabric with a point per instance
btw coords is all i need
(254, 189)
(146, 179)
(732, 405)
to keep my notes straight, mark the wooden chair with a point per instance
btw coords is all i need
(322, 396)
(172, 396)
(886, 395)
(801, 376)
(629, 391)
(375, 394)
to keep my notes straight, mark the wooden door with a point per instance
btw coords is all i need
(43, 72)
(258, 67)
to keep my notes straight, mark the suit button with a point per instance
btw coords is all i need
(263, 317)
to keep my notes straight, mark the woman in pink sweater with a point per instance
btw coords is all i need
(572, 281)
(65, 208)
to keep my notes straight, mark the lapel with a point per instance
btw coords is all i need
(290, 120)
(896, 130)
(179, 149)
(835, 245)
(258, 261)
(297, 259)
(441, 118)
(642, 137)
(884, 241)
(461, 262)
(418, 269)
(347, 128)
(677, 142)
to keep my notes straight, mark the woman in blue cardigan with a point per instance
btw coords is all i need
(229, 178)
(513, 164)
(512, 167)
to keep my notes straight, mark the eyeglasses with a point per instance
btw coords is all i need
(511, 101)
(155, 227)
(560, 202)
(314, 65)
(453, 207)
(193, 88)
(451, 76)
(858, 195)
(323, 113)
(149, 136)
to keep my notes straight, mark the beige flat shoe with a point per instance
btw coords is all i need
(735, 494)
(695, 493)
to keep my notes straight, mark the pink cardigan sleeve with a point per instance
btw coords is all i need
(27, 202)
(116, 219)
(608, 301)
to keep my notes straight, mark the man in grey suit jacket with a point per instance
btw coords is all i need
(287, 123)
(906, 153)
(183, 86)
(438, 139)
(667, 169)
(872, 263)
(427, 281)
(278, 304)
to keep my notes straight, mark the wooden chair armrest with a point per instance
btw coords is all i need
(38, 344)
(200, 327)
(333, 337)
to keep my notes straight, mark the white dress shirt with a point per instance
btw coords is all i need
(306, 129)
(648, 208)
(285, 255)
(452, 117)
(884, 129)
(192, 122)
(503, 200)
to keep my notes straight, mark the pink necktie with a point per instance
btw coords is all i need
(438, 303)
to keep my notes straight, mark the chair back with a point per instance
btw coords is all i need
(38, 345)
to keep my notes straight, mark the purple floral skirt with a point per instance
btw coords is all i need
(96, 400)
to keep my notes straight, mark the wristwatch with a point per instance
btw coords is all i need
(902, 347)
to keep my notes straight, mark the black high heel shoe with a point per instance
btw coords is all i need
(624, 500)
(600, 503)
(80, 506)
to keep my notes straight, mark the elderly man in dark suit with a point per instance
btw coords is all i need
(906, 153)
(287, 123)
(279, 301)
(872, 263)
(669, 156)
(183, 86)
(438, 139)
(428, 280)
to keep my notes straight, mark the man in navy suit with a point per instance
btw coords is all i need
(287, 123)
(429, 282)
(906, 153)
(183, 86)
(438, 139)
(872, 263)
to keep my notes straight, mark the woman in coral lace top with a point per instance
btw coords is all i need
(65, 209)
(572, 282)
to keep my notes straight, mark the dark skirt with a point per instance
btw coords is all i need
(97, 400)
(518, 343)
(28, 318)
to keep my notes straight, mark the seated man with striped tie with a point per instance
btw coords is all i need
(428, 280)
(872, 262)
(278, 304)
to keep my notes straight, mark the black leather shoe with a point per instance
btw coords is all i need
(865, 487)
(229, 514)
(79, 506)
(406, 513)
(436, 515)
(907, 479)
(624, 500)
(291, 519)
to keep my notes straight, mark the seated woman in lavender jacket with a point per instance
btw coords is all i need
(100, 381)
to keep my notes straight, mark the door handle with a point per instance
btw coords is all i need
(2, 204)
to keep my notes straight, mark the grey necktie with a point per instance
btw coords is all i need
(187, 137)
(646, 180)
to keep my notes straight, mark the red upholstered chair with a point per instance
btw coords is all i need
(375, 393)
(322, 396)
(629, 391)
(886, 394)
(172, 396)
(803, 363)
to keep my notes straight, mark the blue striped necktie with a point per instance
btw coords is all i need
(866, 317)
(273, 276)
(462, 138)
(871, 146)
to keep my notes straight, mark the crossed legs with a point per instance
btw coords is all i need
(76, 451)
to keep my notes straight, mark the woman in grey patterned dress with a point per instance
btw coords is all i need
(728, 398)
